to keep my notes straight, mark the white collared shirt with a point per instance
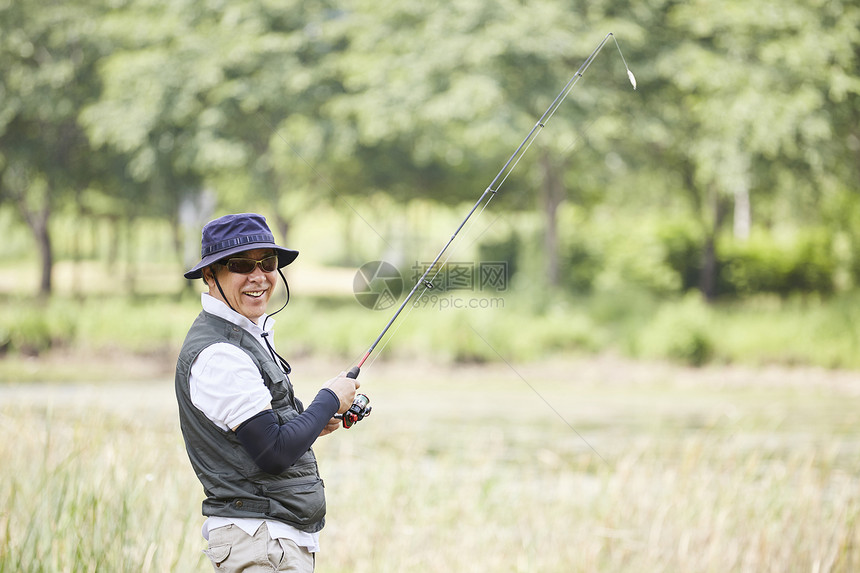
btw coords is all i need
(228, 388)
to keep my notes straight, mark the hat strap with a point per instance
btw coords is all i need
(284, 364)
(223, 296)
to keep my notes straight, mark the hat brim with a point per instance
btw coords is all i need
(285, 257)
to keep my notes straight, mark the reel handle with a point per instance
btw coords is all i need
(360, 407)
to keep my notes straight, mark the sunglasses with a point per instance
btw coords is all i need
(246, 266)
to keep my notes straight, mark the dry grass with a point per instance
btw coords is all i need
(595, 465)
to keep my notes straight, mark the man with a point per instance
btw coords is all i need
(247, 436)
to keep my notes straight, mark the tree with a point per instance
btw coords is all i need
(751, 84)
(215, 95)
(47, 73)
(451, 89)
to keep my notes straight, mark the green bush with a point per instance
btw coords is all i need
(616, 254)
(506, 250)
(5, 339)
(683, 245)
(30, 328)
(581, 264)
(31, 334)
(681, 332)
(764, 329)
(806, 264)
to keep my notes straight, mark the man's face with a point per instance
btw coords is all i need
(247, 294)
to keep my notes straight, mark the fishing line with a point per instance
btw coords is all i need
(490, 192)
(576, 140)
(428, 284)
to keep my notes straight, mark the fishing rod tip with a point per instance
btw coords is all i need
(632, 78)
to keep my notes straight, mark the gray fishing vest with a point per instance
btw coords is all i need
(233, 484)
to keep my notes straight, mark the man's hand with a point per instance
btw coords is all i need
(345, 389)
(332, 425)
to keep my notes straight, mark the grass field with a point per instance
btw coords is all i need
(575, 465)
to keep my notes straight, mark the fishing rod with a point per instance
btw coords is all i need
(361, 408)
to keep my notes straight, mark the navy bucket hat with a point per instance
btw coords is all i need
(233, 234)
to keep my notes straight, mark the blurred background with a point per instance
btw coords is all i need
(708, 219)
(715, 208)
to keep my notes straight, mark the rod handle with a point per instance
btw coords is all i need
(353, 372)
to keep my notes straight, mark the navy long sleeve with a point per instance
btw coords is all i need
(275, 447)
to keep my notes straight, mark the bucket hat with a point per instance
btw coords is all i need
(233, 234)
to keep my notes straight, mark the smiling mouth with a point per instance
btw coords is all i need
(255, 293)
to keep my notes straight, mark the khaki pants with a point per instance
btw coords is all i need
(231, 550)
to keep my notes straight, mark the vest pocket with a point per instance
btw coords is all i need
(237, 507)
(299, 497)
(278, 382)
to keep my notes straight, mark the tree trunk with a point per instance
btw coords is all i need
(193, 211)
(130, 247)
(34, 205)
(553, 196)
(742, 214)
(179, 250)
(37, 220)
(283, 227)
(709, 277)
(114, 242)
(280, 224)
(77, 257)
(46, 253)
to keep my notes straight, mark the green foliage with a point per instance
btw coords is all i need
(762, 330)
(804, 264)
(508, 250)
(794, 330)
(124, 110)
(612, 252)
(581, 266)
(78, 486)
(682, 243)
(47, 73)
(681, 332)
(31, 328)
(115, 113)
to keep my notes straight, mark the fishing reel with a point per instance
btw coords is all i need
(357, 412)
